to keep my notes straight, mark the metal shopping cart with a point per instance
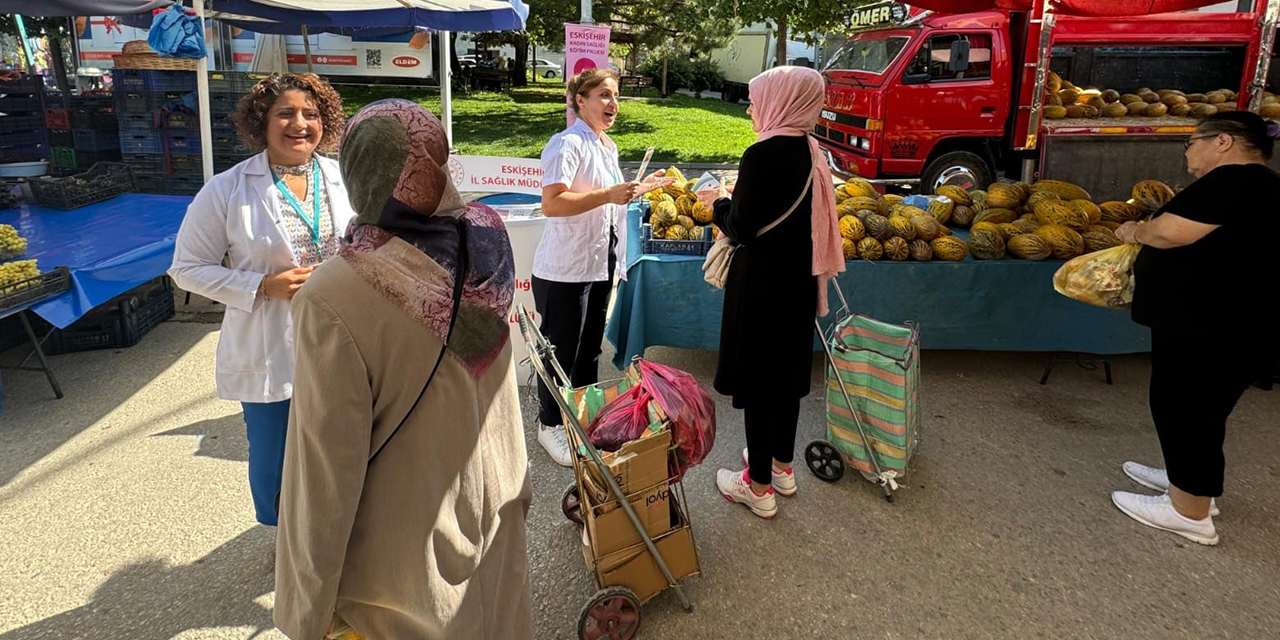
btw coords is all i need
(873, 386)
(637, 543)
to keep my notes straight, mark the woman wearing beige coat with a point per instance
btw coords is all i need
(403, 506)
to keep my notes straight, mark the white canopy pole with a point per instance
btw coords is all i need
(202, 94)
(445, 76)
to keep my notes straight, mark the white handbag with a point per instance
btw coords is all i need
(715, 269)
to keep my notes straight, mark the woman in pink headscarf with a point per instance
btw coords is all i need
(783, 216)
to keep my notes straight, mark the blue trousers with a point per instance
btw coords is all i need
(266, 424)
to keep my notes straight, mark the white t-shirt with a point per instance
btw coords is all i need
(576, 248)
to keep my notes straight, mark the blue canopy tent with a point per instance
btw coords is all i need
(345, 17)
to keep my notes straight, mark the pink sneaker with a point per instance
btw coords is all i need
(784, 482)
(736, 487)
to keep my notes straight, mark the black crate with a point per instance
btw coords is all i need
(21, 123)
(129, 79)
(21, 103)
(224, 162)
(141, 123)
(138, 101)
(26, 84)
(145, 163)
(150, 183)
(234, 82)
(104, 181)
(100, 118)
(86, 159)
(183, 142)
(185, 120)
(152, 142)
(167, 80)
(223, 103)
(121, 323)
(61, 138)
(92, 101)
(93, 140)
(24, 153)
(23, 138)
(186, 164)
(45, 284)
(179, 185)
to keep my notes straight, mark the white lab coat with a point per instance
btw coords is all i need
(237, 217)
(576, 248)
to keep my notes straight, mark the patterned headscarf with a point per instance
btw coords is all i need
(394, 157)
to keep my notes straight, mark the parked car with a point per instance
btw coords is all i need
(547, 69)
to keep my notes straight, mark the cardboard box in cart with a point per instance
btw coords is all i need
(640, 468)
(634, 567)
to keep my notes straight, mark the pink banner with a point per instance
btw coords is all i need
(586, 46)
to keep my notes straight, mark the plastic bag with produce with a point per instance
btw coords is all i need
(1102, 278)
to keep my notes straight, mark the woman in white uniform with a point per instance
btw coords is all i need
(250, 240)
(584, 197)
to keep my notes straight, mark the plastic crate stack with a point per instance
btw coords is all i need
(82, 132)
(22, 125)
(159, 135)
(225, 90)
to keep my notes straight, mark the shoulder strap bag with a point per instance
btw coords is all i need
(715, 269)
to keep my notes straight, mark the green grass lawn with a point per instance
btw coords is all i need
(518, 124)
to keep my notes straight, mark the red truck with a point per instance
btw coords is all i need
(955, 99)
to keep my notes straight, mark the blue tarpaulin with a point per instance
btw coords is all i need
(1001, 305)
(109, 247)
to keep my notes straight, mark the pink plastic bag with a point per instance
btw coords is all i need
(621, 421)
(688, 406)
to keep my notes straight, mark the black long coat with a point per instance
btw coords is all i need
(771, 296)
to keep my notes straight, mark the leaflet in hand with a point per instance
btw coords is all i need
(707, 181)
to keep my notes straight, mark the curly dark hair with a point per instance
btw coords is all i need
(250, 116)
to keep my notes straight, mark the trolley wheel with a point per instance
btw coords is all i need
(611, 614)
(571, 504)
(824, 461)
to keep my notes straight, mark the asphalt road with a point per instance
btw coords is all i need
(125, 513)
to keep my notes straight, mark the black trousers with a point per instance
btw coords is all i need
(1194, 388)
(573, 318)
(771, 435)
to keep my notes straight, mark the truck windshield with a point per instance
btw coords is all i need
(868, 53)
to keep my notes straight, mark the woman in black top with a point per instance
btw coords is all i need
(772, 292)
(1200, 283)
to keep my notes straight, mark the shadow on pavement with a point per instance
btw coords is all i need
(220, 438)
(152, 600)
(90, 395)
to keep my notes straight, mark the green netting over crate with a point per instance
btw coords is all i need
(879, 364)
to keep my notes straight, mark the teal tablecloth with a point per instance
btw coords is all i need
(1003, 305)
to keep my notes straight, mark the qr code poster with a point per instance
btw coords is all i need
(401, 54)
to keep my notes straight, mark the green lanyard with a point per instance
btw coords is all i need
(313, 223)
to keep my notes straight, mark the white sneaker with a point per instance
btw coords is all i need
(1158, 512)
(1157, 480)
(556, 443)
(736, 487)
(784, 482)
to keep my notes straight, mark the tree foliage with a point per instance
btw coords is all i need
(696, 25)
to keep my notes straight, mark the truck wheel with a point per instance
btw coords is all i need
(957, 168)
(729, 94)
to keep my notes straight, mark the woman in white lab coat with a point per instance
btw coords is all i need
(250, 240)
(584, 198)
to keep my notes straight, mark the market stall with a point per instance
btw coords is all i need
(986, 305)
(107, 249)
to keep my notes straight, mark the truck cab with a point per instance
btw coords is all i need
(930, 99)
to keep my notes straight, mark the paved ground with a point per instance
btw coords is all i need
(125, 513)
